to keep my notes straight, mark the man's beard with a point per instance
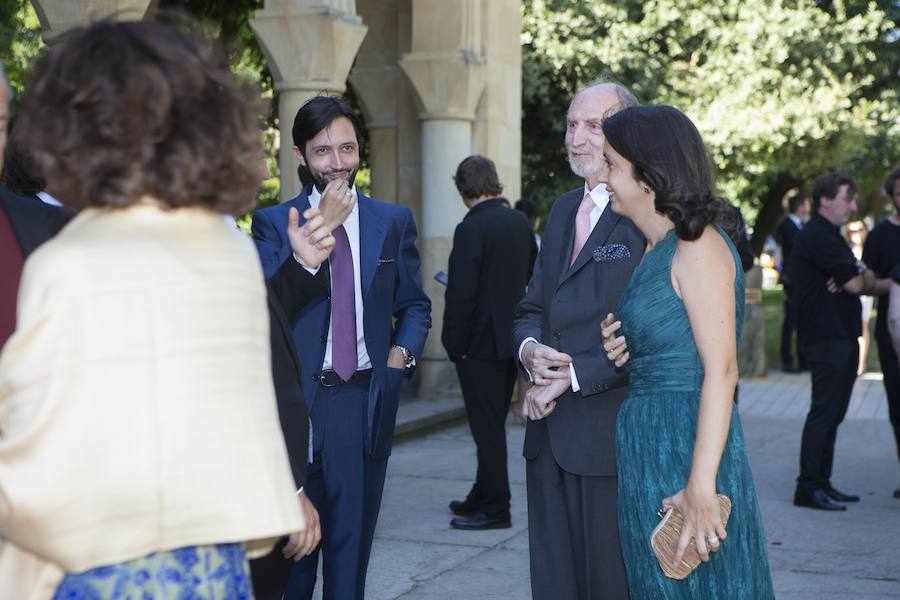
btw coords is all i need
(585, 169)
(321, 182)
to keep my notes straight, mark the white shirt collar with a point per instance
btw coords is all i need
(599, 195)
(795, 220)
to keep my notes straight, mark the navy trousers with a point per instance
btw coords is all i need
(345, 486)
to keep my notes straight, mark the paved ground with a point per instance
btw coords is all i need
(813, 555)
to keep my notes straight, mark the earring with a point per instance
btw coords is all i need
(646, 189)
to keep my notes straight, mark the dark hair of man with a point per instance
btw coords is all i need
(528, 207)
(795, 202)
(828, 186)
(890, 181)
(476, 176)
(119, 110)
(315, 115)
(668, 154)
(19, 173)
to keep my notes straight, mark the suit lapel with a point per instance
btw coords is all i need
(607, 222)
(25, 229)
(371, 238)
(301, 203)
(565, 253)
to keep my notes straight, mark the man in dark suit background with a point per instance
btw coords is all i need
(798, 215)
(587, 257)
(490, 264)
(355, 343)
(25, 224)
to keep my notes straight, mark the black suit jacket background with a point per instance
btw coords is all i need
(564, 308)
(289, 289)
(787, 233)
(32, 221)
(490, 264)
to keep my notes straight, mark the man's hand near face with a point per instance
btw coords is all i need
(337, 203)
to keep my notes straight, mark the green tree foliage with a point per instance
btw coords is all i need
(20, 39)
(781, 90)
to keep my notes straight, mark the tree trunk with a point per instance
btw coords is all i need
(772, 210)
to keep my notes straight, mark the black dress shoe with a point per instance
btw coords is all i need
(839, 496)
(463, 508)
(480, 521)
(816, 499)
(897, 493)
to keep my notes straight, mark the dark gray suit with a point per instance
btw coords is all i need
(571, 455)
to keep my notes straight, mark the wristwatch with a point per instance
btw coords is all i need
(409, 361)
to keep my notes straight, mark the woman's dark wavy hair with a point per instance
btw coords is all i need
(116, 111)
(668, 154)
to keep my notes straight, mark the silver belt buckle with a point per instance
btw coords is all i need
(321, 378)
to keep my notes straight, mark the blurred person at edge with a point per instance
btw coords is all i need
(24, 225)
(881, 253)
(156, 434)
(530, 209)
(856, 235)
(797, 217)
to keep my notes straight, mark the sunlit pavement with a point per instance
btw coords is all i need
(813, 555)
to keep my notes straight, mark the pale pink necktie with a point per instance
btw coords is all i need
(582, 226)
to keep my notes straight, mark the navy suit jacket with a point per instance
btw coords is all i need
(391, 289)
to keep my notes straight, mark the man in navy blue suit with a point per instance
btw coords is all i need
(356, 341)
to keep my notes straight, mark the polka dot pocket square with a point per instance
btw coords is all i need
(611, 252)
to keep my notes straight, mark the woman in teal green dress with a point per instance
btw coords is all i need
(679, 437)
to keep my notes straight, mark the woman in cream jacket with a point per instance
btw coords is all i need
(140, 449)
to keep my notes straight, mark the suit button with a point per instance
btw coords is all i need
(556, 335)
(323, 339)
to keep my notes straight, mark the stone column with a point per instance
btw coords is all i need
(310, 46)
(56, 16)
(378, 83)
(497, 132)
(446, 69)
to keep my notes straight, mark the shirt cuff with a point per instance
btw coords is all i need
(521, 347)
(310, 270)
(300, 491)
(575, 386)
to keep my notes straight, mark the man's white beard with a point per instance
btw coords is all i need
(585, 171)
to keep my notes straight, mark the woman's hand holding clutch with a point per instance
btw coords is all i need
(616, 347)
(702, 521)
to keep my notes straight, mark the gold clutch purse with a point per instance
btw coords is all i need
(664, 541)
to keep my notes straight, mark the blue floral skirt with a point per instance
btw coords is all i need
(217, 572)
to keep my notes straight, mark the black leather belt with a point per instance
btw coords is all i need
(329, 378)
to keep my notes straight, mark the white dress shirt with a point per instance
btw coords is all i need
(795, 220)
(351, 225)
(600, 196)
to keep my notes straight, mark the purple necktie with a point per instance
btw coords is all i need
(343, 307)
